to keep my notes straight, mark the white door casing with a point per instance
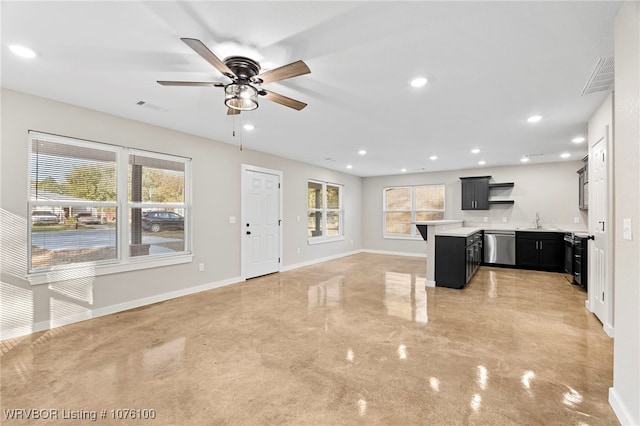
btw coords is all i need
(600, 282)
(260, 225)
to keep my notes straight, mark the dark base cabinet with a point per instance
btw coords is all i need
(580, 262)
(457, 259)
(540, 250)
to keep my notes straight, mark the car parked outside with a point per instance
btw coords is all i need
(87, 219)
(44, 217)
(159, 221)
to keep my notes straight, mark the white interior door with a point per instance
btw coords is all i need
(260, 225)
(599, 283)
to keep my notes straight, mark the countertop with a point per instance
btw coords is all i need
(437, 222)
(463, 231)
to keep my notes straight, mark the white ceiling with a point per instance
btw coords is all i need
(490, 65)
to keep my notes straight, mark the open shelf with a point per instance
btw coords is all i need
(500, 201)
(501, 185)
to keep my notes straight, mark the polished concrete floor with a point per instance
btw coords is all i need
(356, 340)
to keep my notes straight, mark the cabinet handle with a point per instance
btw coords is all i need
(540, 245)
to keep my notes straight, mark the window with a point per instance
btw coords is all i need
(406, 204)
(85, 197)
(324, 211)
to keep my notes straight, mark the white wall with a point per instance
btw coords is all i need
(550, 189)
(216, 171)
(625, 393)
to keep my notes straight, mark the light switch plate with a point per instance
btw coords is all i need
(627, 233)
(232, 219)
(486, 219)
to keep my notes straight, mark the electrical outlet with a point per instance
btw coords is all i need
(504, 220)
(626, 229)
(576, 219)
(298, 250)
(351, 242)
(298, 218)
(232, 219)
(201, 267)
(486, 219)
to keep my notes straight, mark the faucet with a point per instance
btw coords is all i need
(537, 220)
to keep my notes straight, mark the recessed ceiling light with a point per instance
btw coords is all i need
(482, 162)
(403, 170)
(349, 166)
(362, 152)
(249, 127)
(534, 118)
(22, 51)
(579, 139)
(433, 157)
(475, 151)
(418, 82)
(525, 159)
(565, 155)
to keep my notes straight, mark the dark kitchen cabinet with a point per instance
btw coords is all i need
(457, 259)
(583, 187)
(540, 250)
(475, 193)
(580, 261)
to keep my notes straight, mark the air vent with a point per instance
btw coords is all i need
(602, 77)
(153, 107)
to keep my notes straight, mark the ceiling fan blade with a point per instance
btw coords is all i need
(191, 83)
(283, 100)
(232, 111)
(294, 69)
(208, 56)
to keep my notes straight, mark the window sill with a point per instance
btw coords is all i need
(322, 240)
(86, 270)
(400, 237)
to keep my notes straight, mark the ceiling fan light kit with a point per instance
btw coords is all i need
(242, 94)
(242, 97)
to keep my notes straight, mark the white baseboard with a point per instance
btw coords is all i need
(112, 309)
(320, 260)
(610, 331)
(620, 410)
(395, 253)
(429, 283)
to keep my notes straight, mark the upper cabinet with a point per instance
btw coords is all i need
(476, 192)
(583, 186)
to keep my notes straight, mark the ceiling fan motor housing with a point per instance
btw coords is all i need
(244, 68)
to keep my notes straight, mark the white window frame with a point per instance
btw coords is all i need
(415, 235)
(123, 261)
(324, 210)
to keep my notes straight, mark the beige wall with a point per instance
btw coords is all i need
(625, 393)
(550, 189)
(216, 171)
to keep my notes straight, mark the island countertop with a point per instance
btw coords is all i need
(463, 231)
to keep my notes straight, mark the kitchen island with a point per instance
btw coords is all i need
(458, 256)
(428, 229)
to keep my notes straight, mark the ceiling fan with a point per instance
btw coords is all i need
(242, 93)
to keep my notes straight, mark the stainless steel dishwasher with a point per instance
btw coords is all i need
(500, 247)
